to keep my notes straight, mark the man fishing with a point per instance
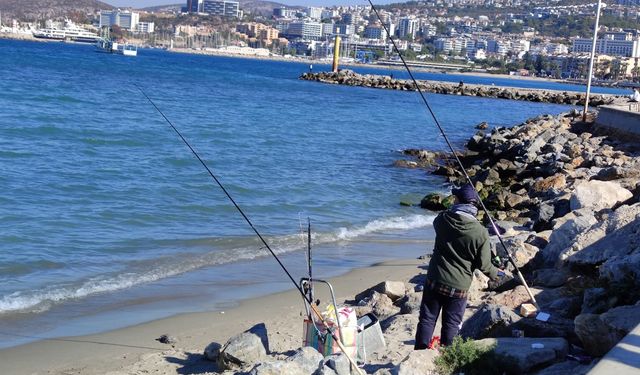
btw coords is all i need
(461, 246)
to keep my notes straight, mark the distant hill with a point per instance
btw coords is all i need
(264, 8)
(39, 10)
(33, 10)
(165, 8)
(249, 6)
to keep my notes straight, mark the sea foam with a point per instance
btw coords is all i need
(36, 301)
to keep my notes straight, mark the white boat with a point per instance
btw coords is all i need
(70, 32)
(127, 49)
(105, 44)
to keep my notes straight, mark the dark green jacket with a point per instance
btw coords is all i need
(462, 246)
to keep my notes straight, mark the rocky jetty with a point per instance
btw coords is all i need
(567, 196)
(350, 78)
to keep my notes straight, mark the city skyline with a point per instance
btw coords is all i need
(150, 3)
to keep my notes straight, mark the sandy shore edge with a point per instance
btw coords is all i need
(135, 349)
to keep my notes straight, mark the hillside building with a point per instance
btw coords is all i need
(125, 19)
(221, 8)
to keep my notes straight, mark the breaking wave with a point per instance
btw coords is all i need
(36, 301)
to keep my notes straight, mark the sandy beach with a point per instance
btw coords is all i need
(134, 350)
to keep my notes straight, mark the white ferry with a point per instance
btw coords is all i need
(70, 32)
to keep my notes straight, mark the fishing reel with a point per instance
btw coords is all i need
(500, 262)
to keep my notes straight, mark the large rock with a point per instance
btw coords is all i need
(489, 321)
(565, 234)
(379, 304)
(619, 244)
(339, 363)
(521, 355)
(566, 368)
(591, 247)
(556, 326)
(245, 349)
(551, 184)
(550, 277)
(418, 362)
(597, 301)
(309, 360)
(392, 289)
(598, 195)
(511, 298)
(410, 303)
(600, 333)
(274, 367)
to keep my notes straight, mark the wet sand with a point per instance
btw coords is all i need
(134, 350)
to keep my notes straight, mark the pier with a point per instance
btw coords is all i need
(350, 78)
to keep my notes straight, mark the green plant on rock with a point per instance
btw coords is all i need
(466, 356)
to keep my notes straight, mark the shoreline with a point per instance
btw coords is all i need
(296, 59)
(136, 346)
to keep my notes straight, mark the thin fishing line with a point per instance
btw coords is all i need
(313, 308)
(266, 245)
(453, 151)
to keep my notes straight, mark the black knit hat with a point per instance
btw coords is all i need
(466, 194)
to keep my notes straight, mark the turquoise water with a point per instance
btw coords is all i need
(107, 217)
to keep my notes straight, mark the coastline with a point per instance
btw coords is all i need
(135, 349)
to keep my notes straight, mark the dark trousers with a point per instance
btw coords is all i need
(452, 313)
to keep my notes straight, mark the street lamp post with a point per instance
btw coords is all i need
(593, 54)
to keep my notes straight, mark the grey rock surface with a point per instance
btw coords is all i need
(245, 349)
(521, 355)
(489, 321)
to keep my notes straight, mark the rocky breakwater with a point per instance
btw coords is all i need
(567, 195)
(350, 78)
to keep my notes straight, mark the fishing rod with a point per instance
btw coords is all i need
(336, 339)
(455, 155)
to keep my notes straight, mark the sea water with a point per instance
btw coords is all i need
(108, 219)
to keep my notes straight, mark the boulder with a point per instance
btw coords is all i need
(622, 269)
(245, 349)
(549, 184)
(212, 351)
(392, 289)
(556, 326)
(600, 333)
(405, 164)
(433, 202)
(338, 363)
(489, 321)
(511, 298)
(308, 359)
(379, 304)
(619, 245)
(521, 355)
(566, 367)
(383, 308)
(597, 301)
(566, 307)
(418, 362)
(565, 232)
(597, 195)
(550, 277)
(410, 303)
(274, 367)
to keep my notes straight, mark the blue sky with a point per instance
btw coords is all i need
(147, 3)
